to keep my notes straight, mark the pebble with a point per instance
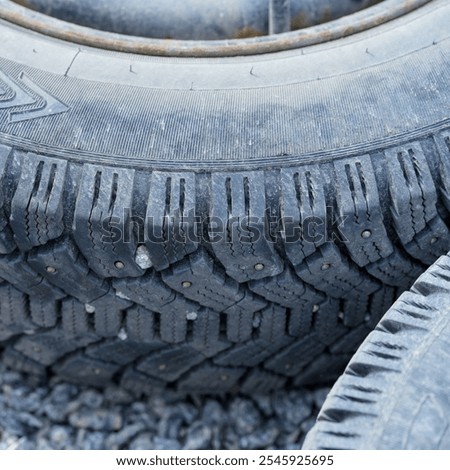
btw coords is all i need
(119, 439)
(245, 416)
(262, 438)
(143, 441)
(60, 436)
(198, 437)
(161, 443)
(96, 420)
(292, 408)
(91, 398)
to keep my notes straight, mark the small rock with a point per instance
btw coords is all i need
(62, 393)
(264, 403)
(29, 420)
(187, 412)
(160, 443)
(117, 396)
(198, 437)
(31, 402)
(119, 439)
(10, 377)
(91, 398)
(97, 420)
(245, 416)
(213, 413)
(292, 408)
(169, 426)
(60, 436)
(262, 438)
(143, 441)
(90, 440)
(56, 413)
(11, 424)
(26, 444)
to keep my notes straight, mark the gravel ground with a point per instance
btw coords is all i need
(64, 416)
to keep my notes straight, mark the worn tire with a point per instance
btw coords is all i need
(349, 140)
(394, 392)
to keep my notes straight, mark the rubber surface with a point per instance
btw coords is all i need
(215, 225)
(394, 392)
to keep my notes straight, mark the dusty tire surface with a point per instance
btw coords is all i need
(217, 224)
(394, 392)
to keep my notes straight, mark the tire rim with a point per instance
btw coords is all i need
(279, 18)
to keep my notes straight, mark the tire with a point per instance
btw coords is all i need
(217, 164)
(394, 392)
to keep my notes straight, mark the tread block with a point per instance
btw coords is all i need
(140, 325)
(412, 190)
(170, 363)
(414, 203)
(44, 314)
(272, 324)
(102, 216)
(37, 206)
(359, 207)
(251, 353)
(269, 336)
(63, 266)
(13, 269)
(150, 292)
(212, 379)
(173, 325)
(17, 361)
(260, 382)
(7, 244)
(140, 384)
(323, 370)
(198, 279)
(304, 212)
(75, 320)
(7, 332)
(443, 144)
(239, 325)
(292, 359)
(119, 351)
(47, 347)
(355, 309)
(381, 302)
(238, 228)
(289, 291)
(328, 271)
(430, 243)
(108, 314)
(351, 341)
(85, 370)
(14, 311)
(328, 325)
(388, 269)
(206, 336)
(170, 221)
(286, 290)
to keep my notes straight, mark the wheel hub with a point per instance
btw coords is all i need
(197, 19)
(202, 28)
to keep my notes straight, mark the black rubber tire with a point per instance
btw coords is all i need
(394, 393)
(358, 126)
